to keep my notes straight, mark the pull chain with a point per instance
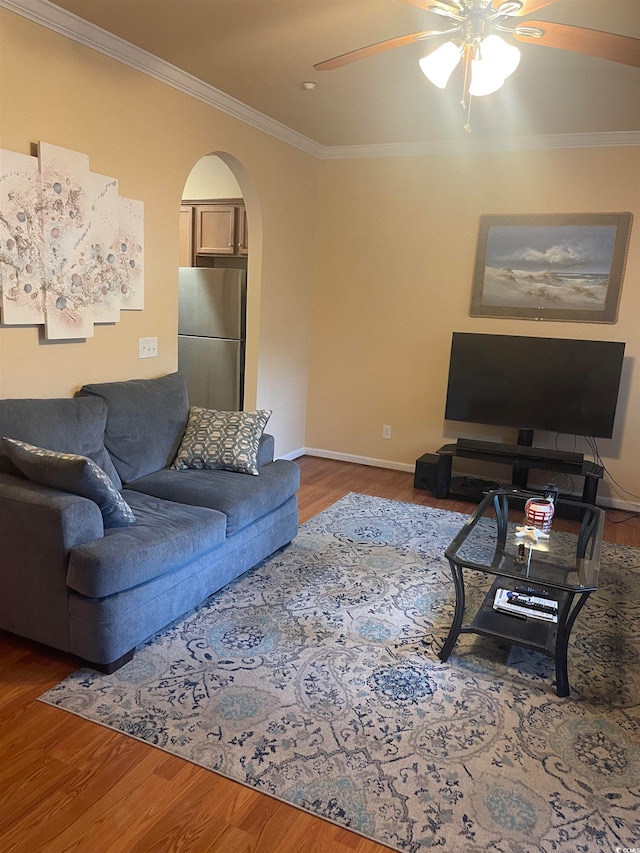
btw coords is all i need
(464, 103)
(467, 126)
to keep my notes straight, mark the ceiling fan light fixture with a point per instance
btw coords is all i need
(503, 57)
(494, 61)
(438, 66)
(485, 78)
(529, 32)
(446, 13)
(509, 7)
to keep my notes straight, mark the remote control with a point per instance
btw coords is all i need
(523, 601)
(529, 590)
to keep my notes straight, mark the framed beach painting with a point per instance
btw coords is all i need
(551, 267)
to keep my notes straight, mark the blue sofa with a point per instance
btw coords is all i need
(97, 593)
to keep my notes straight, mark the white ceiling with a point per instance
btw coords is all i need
(261, 51)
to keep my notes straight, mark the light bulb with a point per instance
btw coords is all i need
(439, 65)
(495, 60)
(504, 57)
(484, 78)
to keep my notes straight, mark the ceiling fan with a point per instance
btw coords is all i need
(486, 57)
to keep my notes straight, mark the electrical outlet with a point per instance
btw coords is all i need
(386, 431)
(147, 347)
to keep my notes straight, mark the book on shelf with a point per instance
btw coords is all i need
(525, 605)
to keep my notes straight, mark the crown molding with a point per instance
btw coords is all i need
(482, 146)
(65, 23)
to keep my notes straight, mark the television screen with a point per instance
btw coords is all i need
(554, 384)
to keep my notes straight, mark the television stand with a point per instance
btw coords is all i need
(494, 448)
(522, 459)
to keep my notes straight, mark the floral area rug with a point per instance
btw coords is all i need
(315, 679)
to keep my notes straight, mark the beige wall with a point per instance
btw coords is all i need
(149, 136)
(395, 255)
(393, 241)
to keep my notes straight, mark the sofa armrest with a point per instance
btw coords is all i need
(71, 519)
(266, 449)
(38, 527)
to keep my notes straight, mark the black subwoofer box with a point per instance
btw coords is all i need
(430, 473)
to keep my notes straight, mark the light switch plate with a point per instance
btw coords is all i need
(147, 347)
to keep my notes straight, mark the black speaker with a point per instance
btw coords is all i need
(431, 472)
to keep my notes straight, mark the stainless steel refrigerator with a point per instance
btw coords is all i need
(211, 336)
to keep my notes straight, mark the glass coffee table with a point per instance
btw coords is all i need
(560, 572)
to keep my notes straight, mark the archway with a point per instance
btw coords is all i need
(219, 211)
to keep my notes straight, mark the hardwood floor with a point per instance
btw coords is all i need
(68, 784)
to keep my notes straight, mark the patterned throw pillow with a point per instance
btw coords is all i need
(227, 440)
(70, 473)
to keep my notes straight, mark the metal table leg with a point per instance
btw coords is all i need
(456, 625)
(566, 618)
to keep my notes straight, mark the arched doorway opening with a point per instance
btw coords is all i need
(218, 292)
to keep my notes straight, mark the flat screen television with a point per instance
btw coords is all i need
(555, 384)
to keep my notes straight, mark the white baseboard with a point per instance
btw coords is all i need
(618, 503)
(609, 502)
(295, 454)
(360, 460)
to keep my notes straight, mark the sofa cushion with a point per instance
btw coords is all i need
(71, 473)
(225, 440)
(67, 425)
(145, 421)
(165, 537)
(242, 499)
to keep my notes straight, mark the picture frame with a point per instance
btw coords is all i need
(567, 267)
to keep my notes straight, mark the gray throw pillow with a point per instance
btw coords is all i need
(227, 440)
(70, 473)
(68, 425)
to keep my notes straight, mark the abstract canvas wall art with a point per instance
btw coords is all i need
(71, 248)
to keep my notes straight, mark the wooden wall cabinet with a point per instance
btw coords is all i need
(212, 228)
(186, 236)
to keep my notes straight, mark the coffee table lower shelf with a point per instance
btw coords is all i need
(541, 635)
(532, 633)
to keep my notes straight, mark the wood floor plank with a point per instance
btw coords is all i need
(230, 840)
(87, 747)
(39, 829)
(143, 813)
(124, 806)
(36, 777)
(70, 785)
(190, 826)
(274, 833)
(40, 726)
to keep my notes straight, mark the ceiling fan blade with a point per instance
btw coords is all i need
(372, 49)
(610, 46)
(528, 6)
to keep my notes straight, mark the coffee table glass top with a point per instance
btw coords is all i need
(494, 540)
